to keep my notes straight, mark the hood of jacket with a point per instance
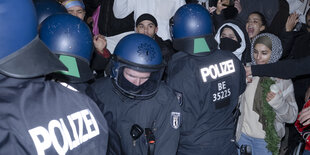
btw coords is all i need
(243, 51)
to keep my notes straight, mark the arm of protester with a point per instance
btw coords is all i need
(218, 16)
(283, 101)
(219, 7)
(238, 6)
(100, 43)
(291, 22)
(287, 35)
(284, 69)
(101, 56)
(304, 116)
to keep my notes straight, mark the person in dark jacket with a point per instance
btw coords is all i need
(147, 24)
(142, 110)
(224, 10)
(243, 9)
(40, 116)
(300, 49)
(210, 81)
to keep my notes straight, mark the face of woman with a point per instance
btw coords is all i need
(228, 33)
(254, 25)
(261, 54)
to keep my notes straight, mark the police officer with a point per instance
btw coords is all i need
(38, 116)
(76, 39)
(71, 41)
(143, 111)
(209, 81)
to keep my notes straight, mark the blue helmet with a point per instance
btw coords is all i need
(45, 8)
(191, 20)
(141, 53)
(71, 40)
(23, 55)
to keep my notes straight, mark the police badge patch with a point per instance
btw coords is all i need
(175, 120)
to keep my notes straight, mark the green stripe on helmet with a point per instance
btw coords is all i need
(71, 64)
(200, 45)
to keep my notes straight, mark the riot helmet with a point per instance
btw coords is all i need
(191, 28)
(138, 53)
(45, 8)
(71, 40)
(191, 20)
(23, 55)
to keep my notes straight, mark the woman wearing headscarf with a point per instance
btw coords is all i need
(232, 36)
(267, 103)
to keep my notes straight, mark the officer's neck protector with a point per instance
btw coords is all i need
(200, 45)
(33, 60)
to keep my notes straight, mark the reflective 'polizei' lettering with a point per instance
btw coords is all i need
(217, 70)
(45, 138)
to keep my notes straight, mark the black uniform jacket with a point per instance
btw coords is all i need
(44, 117)
(210, 85)
(160, 113)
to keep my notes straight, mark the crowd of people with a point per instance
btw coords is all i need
(157, 77)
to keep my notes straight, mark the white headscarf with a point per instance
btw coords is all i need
(238, 52)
